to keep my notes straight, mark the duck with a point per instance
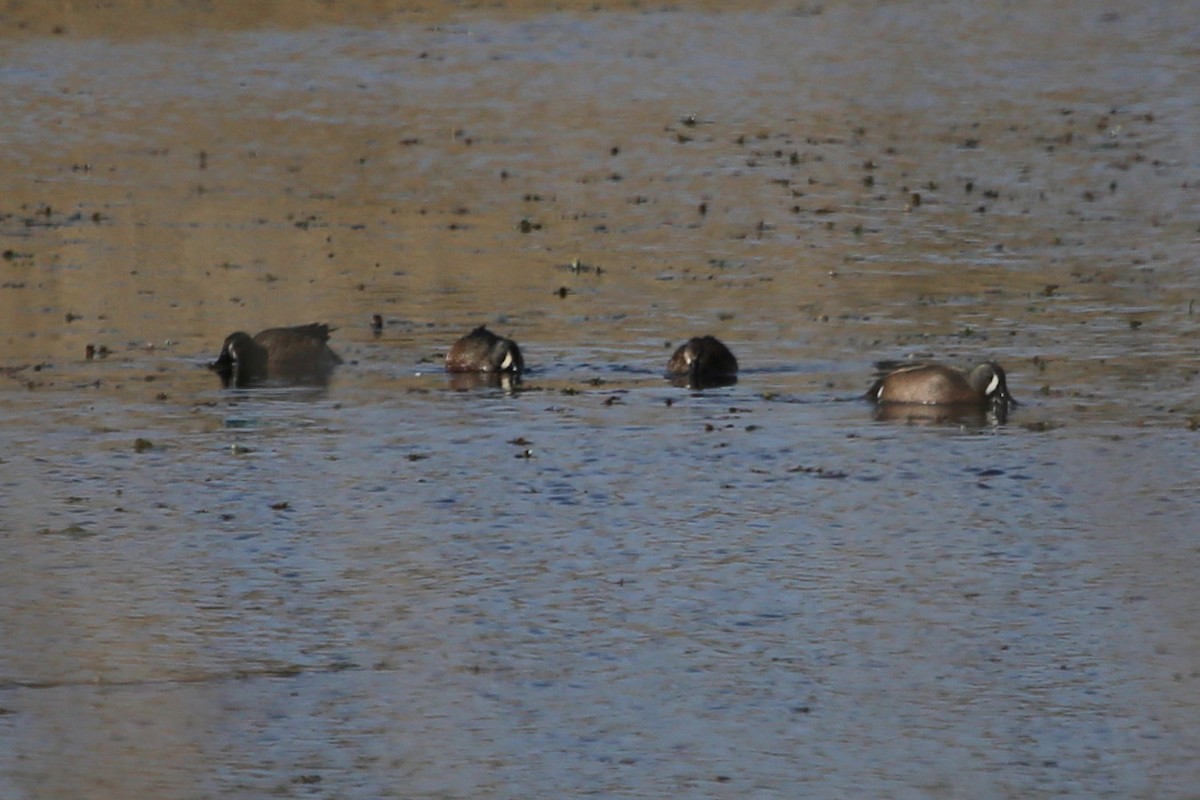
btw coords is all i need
(483, 351)
(701, 362)
(298, 355)
(984, 387)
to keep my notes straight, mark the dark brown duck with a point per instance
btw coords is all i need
(298, 355)
(703, 361)
(483, 351)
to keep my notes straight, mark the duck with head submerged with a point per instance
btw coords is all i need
(702, 362)
(483, 351)
(915, 390)
(299, 355)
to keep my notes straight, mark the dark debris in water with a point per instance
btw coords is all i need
(72, 531)
(46, 216)
(578, 267)
(819, 472)
(13, 372)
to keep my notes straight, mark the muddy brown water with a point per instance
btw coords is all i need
(600, 584)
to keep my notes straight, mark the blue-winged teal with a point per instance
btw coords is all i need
(703, 361)
(925, 384)
(483, 351)
(297, 355)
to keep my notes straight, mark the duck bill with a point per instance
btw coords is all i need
(226, 367)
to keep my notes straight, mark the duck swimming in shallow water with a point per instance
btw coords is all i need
(483, 351)
(703, 361)
(984, 388)
(299, 355)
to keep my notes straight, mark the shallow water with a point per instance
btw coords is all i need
(600, 584)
